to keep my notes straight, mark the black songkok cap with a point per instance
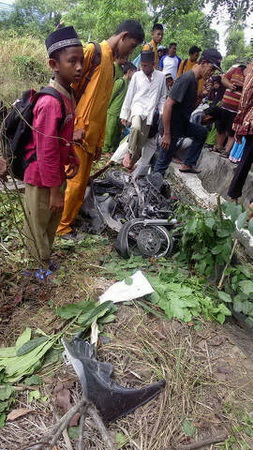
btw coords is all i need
(62, 38)
(148, 56)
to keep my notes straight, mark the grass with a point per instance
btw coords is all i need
(23, 65)
(199, 401)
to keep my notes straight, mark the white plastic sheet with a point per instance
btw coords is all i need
(123, 292)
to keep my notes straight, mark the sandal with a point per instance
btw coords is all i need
(224, 154)
(217, 149)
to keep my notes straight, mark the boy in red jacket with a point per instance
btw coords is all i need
(51, 139)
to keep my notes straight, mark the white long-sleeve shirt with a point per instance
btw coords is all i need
(144, 96)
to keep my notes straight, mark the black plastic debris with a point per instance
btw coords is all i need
(112, 400)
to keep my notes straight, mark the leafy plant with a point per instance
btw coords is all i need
(206, 241)
(30, 68)
(177, 292)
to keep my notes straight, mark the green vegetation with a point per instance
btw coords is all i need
(23, 58)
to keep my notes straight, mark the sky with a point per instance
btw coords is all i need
(219, 24)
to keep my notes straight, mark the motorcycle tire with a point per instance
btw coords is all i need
(127, 245)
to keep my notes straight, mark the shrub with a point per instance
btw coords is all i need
(29, 68)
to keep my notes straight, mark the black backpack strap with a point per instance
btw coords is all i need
(184, 64)
(96, 60)
(49, 90)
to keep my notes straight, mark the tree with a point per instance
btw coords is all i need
(35, 16)
(97, 19)
(238, 10)
(190, 29)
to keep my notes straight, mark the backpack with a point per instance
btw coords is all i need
(16, 129)
(137, 61)
(96, 60)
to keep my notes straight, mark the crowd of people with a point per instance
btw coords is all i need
(153, 104)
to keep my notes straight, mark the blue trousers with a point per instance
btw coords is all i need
(192, 130)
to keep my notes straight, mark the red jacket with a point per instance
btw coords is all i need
(50, 140)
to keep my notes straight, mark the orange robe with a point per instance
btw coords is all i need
(152, 45)
(90, 116)
(185, 68)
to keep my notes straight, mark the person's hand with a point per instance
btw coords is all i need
(124, 122)
(72, 170)
(238, 138)
(232, 87)
(97, 154)
(127, 161)
(78, 136)
(56, 200)
(166, 140)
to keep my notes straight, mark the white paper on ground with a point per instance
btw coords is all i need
(94, 333)
(122, 292)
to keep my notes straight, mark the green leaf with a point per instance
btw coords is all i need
(4, 406)
(232, 210)
(210, 222)
(128, 281)
(188, 427)
(23, 338)
(97, 312)
(238, 305)
(7, 352)
(121, 440)
(154, 297)
(31, 345)
(33, 395)
(224, 297)
(250, 226)
(247, 307)
(217, 249)
(246, 286)
(73, 432)
(33, 380)
(242, 219)
(249, 322)
(2, 419)
(108, 318)
(5, 391)
(73, 309)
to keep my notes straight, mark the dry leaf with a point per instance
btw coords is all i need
(16, 413)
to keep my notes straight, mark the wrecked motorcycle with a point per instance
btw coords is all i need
(138, 207)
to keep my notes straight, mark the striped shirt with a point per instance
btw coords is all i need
(231, 99)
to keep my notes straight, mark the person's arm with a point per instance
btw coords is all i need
(125, 112)
(226, 81)
(162, 98)
(167, 111)
(180, 69)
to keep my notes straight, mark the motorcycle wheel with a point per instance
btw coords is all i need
(136, 239)
(117, 177)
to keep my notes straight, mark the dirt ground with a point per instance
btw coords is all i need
(207, 401)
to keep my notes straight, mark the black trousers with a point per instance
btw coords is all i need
(243, 168)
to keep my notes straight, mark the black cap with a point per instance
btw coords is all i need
(213, 56)
(148, 56)
(62, 38)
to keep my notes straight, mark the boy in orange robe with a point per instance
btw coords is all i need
(91, 114)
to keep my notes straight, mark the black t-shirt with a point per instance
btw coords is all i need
(184, 92)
